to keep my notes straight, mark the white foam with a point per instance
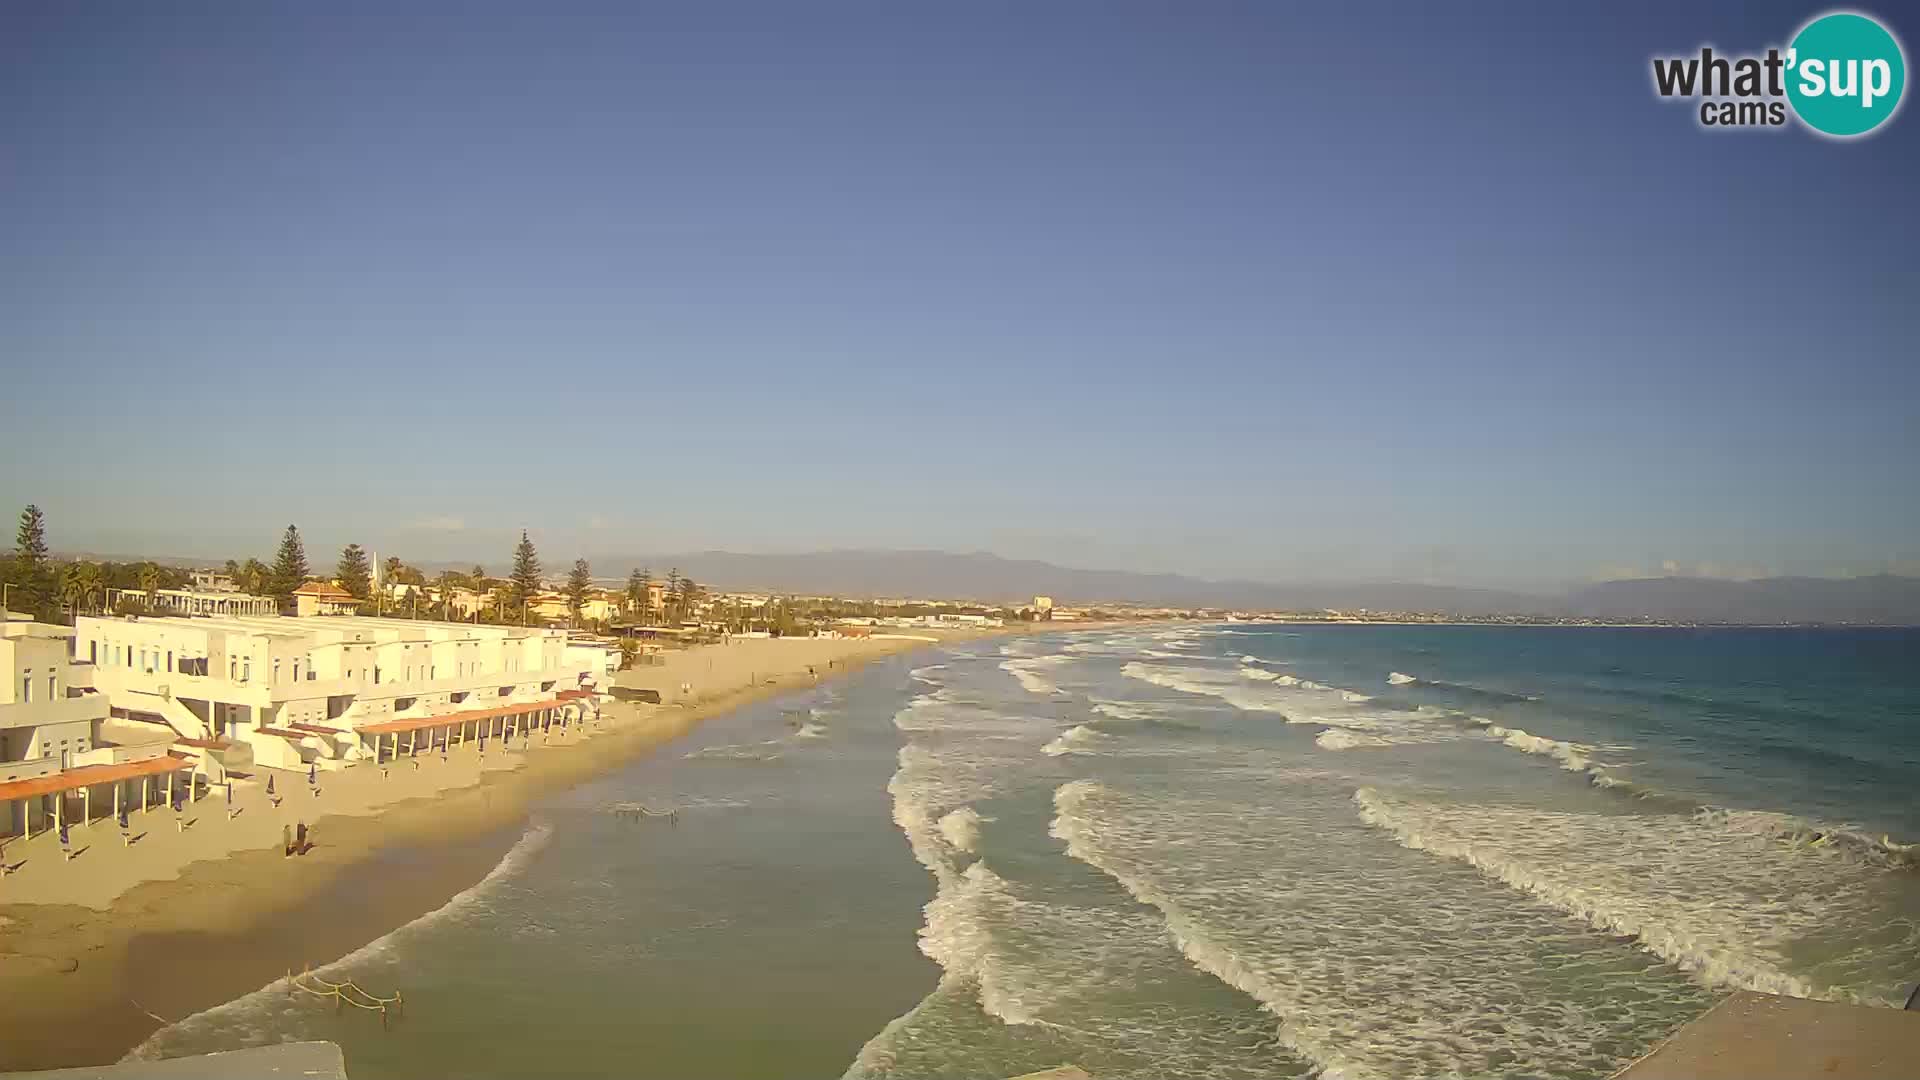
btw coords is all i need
(1726, 895)
(1029, 673)
(1342, 739)
(1281, 902)
(1400, 679)
(1573, 757)
(961, 829)
(1075, 740)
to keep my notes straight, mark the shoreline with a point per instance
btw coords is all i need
(86, 984)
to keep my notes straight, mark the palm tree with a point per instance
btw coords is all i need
(149, 580)
(73, 586)
(92, 583)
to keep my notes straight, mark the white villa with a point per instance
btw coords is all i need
(328, 691)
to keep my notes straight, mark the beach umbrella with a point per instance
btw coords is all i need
(269, 783)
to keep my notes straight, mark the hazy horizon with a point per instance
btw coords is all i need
(1113, 286)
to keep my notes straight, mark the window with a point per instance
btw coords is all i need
(93, 652)
(276, 671)
(233, 668)
(26, 689)
(169, 659)
(53, 691)
(246, 670)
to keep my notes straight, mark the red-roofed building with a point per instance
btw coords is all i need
(323, 598)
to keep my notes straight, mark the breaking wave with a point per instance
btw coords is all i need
(1737, 898)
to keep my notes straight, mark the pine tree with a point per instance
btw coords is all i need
(289, 565)
(673, 595)
(32, 583)
(526, 572)
(355, 575)
(579, 580)
(479, 577)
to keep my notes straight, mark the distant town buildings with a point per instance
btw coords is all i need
(197, 601)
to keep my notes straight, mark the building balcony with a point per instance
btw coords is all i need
(72, 710)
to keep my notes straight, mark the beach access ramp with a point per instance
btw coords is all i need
(319, 1060)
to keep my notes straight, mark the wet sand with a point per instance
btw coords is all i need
(84, 984)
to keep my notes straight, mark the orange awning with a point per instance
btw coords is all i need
(89, 775)
(389, 727)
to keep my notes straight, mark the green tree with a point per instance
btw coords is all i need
(73, 586)
(579, 581)
(289, 566)
(478, 579)
(672, 599)
(254, 577)
(93, 584)
(394, 568)
(354, 572)
(233, 570)
(150, 581)
(33, 585)
(526, 572)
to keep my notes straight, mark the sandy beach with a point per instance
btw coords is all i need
(96, 952)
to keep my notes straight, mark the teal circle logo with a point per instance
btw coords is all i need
(1845, 74)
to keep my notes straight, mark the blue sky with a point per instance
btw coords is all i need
(1266, 290)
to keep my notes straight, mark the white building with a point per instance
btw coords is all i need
(55, 768)
(329, 691)
(212, 581)
(198, 601)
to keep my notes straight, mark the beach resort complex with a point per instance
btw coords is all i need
(119, 710)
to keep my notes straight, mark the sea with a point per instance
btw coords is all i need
(1237, 851)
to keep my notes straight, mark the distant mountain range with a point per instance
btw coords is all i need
(1881, 599)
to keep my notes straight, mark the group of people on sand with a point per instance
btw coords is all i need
(296, 842)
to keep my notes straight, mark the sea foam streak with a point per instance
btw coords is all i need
(262, 1017)
(1722, 894)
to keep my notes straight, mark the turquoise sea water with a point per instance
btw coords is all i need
(1231, 851)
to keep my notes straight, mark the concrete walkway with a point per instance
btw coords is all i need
(1752, 1036)
(318, 1060)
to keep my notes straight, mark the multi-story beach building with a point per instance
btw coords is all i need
(55, 766)
(327, 691)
